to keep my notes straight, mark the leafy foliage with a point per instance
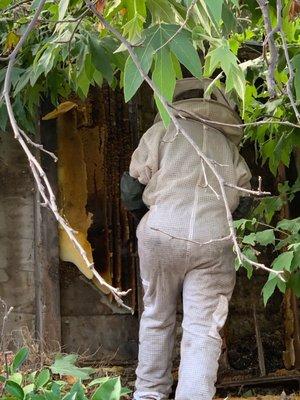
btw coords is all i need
(284, 240)
(44, 384)
(69, 51)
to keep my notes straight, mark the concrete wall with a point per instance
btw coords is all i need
(17, 287)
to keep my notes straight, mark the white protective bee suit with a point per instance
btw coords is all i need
(185, 210)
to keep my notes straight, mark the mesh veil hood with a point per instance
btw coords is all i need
(217, 107)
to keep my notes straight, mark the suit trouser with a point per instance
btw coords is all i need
(206, 277)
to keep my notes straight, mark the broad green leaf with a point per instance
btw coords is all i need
(296, 260)
(99, 381)
(268, 290)
(133, 28)
(132, 76)
(63, 7)
(296, 65)
(4, 4)
(223, 57)
(187, 54)
(14, 389)
(291, 225)
(250, 239)
(244, 223)
(42, 378)
(181, 45)
(176, 67)
(161, 11)
(265, 237)
(28, 388)
(100, 58)
(109, 390)
(83, 84)
(164, 78)
(283, 261)
(65, 365)
(17, 377)
(78, 390)
(268, 207)
(215, 8)
(20, 358)
(249, 252)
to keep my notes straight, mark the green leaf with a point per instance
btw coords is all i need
(20, 358)
(100, 58)
(250, 239)
(63, 7)
(65, 365)
(223, 57)
(296, 65)
(265, 237)
(283, 261)
(78, 390)
(181, 45)
(109, 390)
(99, 381)
(42, 378)
(176, 67)
(16, 377)
(291, 225)
(28, 388)
(244, 223)
(164, 78)
(132, 76)
(4, 4)
(249, 252)
(268, 290)
(161, 11)
(184, 50)
(215, 8)
(14, 389)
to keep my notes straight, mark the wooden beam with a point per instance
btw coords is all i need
(46, 249)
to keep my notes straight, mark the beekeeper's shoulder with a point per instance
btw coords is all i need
(153, 136)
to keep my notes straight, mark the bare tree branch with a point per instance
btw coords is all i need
(241, 257)
(264, 6)
(211, 123)
(271, 83)
(40, 177)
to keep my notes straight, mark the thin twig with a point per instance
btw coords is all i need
(249, 191)
(182, 26)
(290, 81)
(223, 239)
(218, 123)
(37, 145)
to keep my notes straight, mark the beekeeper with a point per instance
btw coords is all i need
(183, 240)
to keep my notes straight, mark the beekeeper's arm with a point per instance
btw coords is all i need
(143, 165)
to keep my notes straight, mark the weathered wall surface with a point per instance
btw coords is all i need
(16, 234)
(97, 136)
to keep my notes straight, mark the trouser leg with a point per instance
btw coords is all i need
(162, 284)
(206, 292)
